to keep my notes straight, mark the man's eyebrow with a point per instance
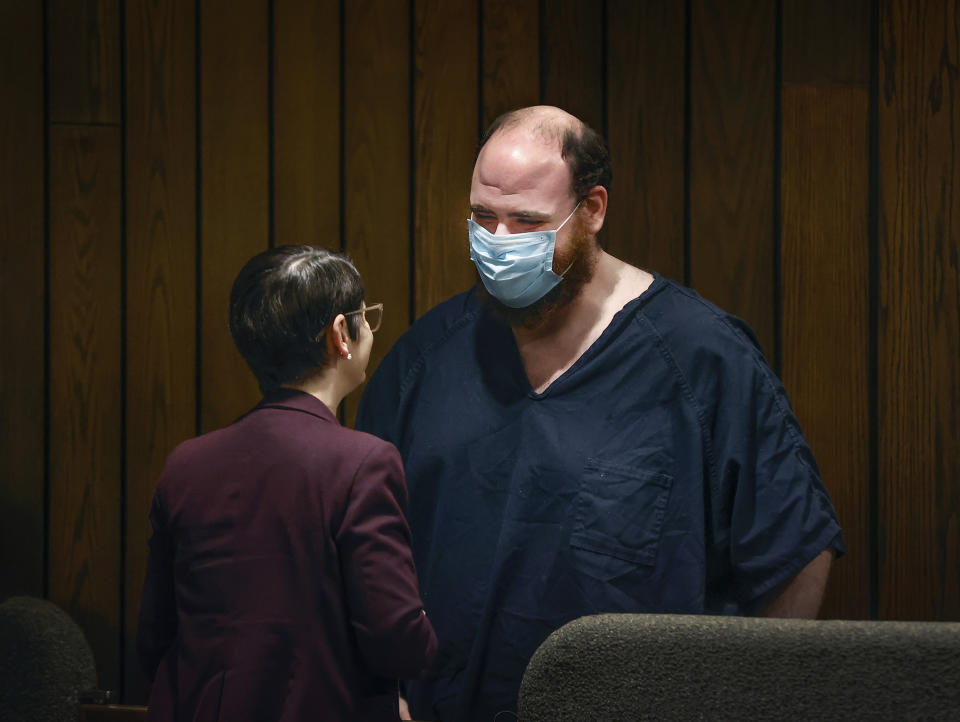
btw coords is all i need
(515, 214)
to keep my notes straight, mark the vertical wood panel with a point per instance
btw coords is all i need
(21, 300)
(84, 37)
(825, 266)
(646, 124)
(445, 135)
(85, 350)
(511, 56)
(377, 183)
(825, 41)
(307, 122)
(234, 167)
(161, 274)
(731, 158)
(919, 323)
(572, 58)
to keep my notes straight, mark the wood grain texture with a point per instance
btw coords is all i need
(85, 388)
(22, 300)
(84, 42)
(919, 319)
(161, 275)
(825, 266)
(445, 136)
(731, 159)
(234, 170)
(377, 182)
(307, 122)
(826, 317)
(571, 59)
(645, 111)
(511, 56)
(826, 42)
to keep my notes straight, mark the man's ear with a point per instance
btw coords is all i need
(593, 209)
(337, 338)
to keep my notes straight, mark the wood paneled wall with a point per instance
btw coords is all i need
(825, 266)
(796, 161)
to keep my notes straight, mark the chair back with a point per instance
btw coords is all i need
(683, 667)
(45, 662)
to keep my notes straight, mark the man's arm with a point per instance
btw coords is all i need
(802, 595)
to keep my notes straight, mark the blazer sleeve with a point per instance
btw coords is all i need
(393, 633)
(157, 626)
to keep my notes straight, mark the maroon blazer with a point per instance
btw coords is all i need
(281, 584)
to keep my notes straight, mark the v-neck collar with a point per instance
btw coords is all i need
(519, 372)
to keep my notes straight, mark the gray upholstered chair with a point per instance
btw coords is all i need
(615, 667)
(45, 662)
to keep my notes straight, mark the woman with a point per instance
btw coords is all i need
(281, 584)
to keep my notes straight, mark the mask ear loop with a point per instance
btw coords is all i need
(561, 226)
(568, 217)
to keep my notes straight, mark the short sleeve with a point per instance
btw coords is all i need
(777, 513)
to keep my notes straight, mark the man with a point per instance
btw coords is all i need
(581, 436)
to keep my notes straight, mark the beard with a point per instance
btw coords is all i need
(579, 259)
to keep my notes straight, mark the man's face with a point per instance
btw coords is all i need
(521, 183)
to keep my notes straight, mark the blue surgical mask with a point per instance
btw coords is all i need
(516, 268)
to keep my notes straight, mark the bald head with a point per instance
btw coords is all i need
(546, 122)
(581, 147)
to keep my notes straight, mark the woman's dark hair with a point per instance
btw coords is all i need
(581, 147)
(281, 302)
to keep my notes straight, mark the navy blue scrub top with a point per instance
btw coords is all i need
(663, 472)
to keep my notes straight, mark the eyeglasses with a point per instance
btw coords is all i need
(372, 315)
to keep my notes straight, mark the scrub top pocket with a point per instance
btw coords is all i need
(619, 511)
